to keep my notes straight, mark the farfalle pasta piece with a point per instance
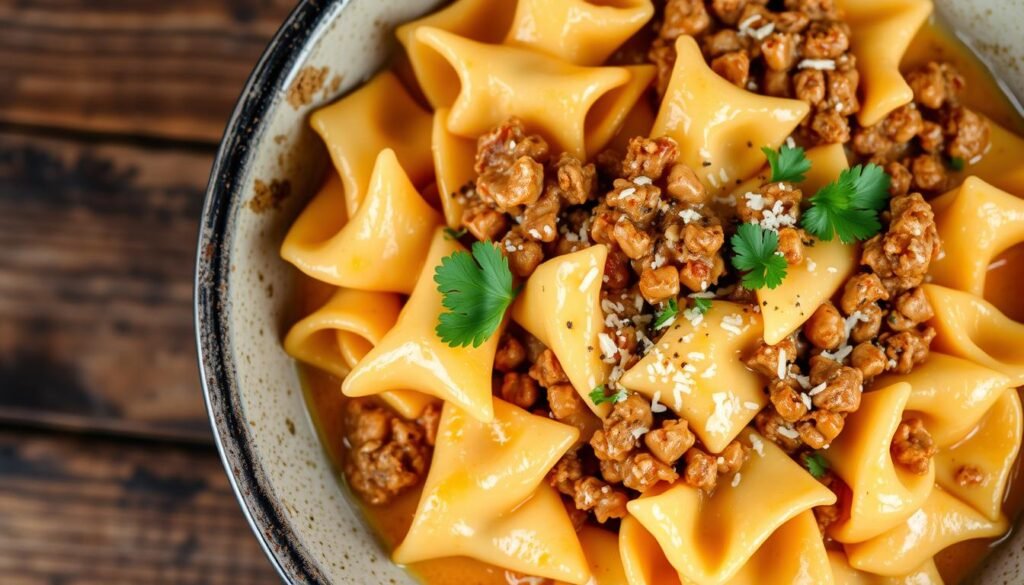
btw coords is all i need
(453, 166)
(486, 84)
(971, 328)
(379, 115)
(826, 267)
(486, 21)
(601, 548)
(485, 496)
(844, 574)
(942, 521)
(793, 555)
(720, 128)
(709, 539)
(883, 494)
(881, 31)
(320, 221)
(1000, 164)
(990, 451)
(577, 31)
(411, 356)
(949, 394)
(625, 105)
(560, 305)
(696, 369)
(976, 223)
(335, 337)
(382, 247)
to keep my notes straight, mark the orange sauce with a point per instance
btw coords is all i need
(392, 521)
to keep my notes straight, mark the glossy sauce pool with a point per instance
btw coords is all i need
(391, 522)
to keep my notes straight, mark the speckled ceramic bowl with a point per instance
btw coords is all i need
(267, 168)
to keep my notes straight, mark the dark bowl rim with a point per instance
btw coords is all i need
(216, 369)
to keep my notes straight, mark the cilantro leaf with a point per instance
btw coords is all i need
(755, 253)
(667, 315)
(477, 290)
(849, 206)
(452, 235)
(599, 395)
(702, 305)
(956, 163)
(816, 464)
(788, 164)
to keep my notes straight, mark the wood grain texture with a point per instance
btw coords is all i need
(76, 511)
(138, 67)
(97, 245)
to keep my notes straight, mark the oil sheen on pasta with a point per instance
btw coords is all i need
(391, 522)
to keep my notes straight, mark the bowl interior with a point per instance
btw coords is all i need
(245, 292)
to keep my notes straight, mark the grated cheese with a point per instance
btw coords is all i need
(811, 265)
(642, 180)
(757, 444)
(732, 323)
(807, 401)
(736, 479)
(588, 279)
(788, 432)
(695, 356)
(710, 372)
(817, 389)
(690, 216)
(627, 192)
(780, 368)
(819, 64)
(656, 406)
(608, 347)
(639, 432)
(790, 142)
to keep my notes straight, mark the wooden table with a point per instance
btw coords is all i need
(110, 112)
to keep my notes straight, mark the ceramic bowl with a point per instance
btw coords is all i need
(285, 483)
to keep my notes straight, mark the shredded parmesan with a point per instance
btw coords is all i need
(656, 406)
(710, 372)
(639, 432)
(736, 479)
(819, 64)
(790, 142)
(788, 432)
(726, 405)
(608, 347)
(757, 444)
(817, 389)
(807, 401)
(811, 265)
(780, 367)
(642, 180)
(732, 323)
(690, 216)
(694, 316)
(588, 279)
(627, 192)
(534, 233)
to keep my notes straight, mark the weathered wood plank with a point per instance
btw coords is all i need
(96, 253)
(169, 69)
(81, 511)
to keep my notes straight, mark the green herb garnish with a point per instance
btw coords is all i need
(702, 305)
(477, 290)
(599, 395)
(453, 235)
(756, 253)
(788, 164)
(667, 315)
(849, 205)
(956, 163)
(816, 465)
